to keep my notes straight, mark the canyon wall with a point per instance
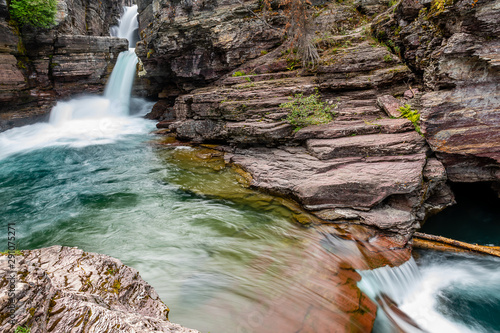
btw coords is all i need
(363, 167)
(455, 50)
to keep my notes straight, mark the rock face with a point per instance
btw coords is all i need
(456, 51)
(187, 44)
(364, 167)
(62, 289)
(39, 66)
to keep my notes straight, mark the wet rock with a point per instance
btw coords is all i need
(367, 145)
(351, 186)
(162, 110)
(62, 289)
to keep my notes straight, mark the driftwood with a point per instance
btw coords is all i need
(432, 242)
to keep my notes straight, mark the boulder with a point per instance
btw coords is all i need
(63, 289)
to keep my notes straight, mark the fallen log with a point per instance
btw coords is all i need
(440, 243)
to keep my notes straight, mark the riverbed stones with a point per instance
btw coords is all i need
(63, 289)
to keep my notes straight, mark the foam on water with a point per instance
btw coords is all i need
(466, 279)
(89, 120)
(422, 293)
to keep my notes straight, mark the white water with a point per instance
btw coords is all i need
(87, 120)
(128, 26)
(417, 292)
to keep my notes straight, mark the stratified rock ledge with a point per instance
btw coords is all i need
(64, 289)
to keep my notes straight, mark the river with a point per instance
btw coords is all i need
(223, 257)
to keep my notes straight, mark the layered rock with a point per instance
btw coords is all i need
(62, 289)
(363, 167)
(39, 66)
(188, 44)
(456, 51)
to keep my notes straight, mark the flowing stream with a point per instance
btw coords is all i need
(94, 177)
(448, 292)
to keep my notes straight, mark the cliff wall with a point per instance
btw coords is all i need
(363, 167)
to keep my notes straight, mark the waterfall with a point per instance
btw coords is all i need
(116, 100)
(406, 297)
(88, 120)
(128, 26)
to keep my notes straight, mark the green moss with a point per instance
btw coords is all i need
(22, 329)
(116, 286)
(239, 73)
(412, 115)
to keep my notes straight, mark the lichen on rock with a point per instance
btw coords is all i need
(63, 289)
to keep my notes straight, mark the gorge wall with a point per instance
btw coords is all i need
(455, 50)
(364, 167)
(40, 66)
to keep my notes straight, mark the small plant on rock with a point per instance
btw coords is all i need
(305, 111)
(36, 13)
(21, 329)
(238, 73)
(411, 115)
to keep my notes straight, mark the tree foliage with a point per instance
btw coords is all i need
(36, 13)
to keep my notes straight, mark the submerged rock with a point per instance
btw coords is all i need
(63, 289)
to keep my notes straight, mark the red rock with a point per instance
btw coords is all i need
(390, 105)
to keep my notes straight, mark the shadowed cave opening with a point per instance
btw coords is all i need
(475, 218)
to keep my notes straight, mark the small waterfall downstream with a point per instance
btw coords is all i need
(437, 296)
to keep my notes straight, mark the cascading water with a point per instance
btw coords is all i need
(449, 293)
(88, 120)
(89, 179)
(128, 26)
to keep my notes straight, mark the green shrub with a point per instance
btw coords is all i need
(238, 73)
(36, 13)
(305, 111)
(411, 115)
